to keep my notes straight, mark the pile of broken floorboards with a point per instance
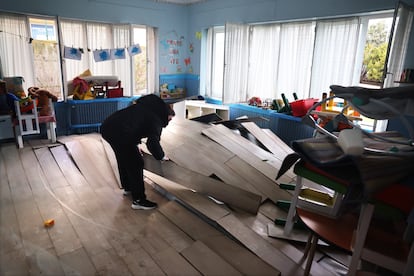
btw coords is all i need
(224, 178)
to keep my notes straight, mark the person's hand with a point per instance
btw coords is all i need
(140, 151)
(165, 158)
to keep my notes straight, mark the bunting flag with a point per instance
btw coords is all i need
(118, 53)
(72, 53)
(102, 55)
(134, 50)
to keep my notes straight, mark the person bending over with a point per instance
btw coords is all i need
(124, 130)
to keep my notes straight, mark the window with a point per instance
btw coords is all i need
(297, 57)
(140, 61)
(30, 45)
(375, 50)
(215, 63)
(300, 57)
(46, 61)
(218, 62)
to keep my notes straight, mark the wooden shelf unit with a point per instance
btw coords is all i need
(196, 108)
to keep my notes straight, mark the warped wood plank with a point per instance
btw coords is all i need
(260, 246)
(188, 221)
(271, 211)
(54, 174)
(12, 254)
(62, 233)
(96, 152)
(207, 261)
(192, 199)
(30, 216)
(220, 243)
(274, 144)
(219, 190)
(297, 235)
(85, 163)
(267, 187)
(282, 145)
(85, 191)
(40, 193)
(91, 235)
(207, 165)
(71, 172)
(190, 132)
(112, 216)
(225, 139)
(249, 146)
(260, 225)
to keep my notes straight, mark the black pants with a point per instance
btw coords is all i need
(130, 167)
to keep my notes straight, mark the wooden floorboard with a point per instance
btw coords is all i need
(234, 196)
(96, 232)
(12, 254)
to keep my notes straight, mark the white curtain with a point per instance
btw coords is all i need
(295, 61)
(209, 62)
(334, 54)
(152, 61)
(122, 67)
(16, 53)
(73, 34)
(236, 56)
(92, 36)
(99, 36)
(263, 61)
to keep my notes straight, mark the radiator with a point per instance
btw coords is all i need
(87, 116)
(287, 128)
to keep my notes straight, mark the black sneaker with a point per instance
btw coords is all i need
(143, 204)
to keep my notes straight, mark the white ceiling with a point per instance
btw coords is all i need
(180, 2)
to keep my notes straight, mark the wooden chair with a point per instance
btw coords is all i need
(29, 123)
(357, 233)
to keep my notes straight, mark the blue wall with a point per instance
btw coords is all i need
(178, 22)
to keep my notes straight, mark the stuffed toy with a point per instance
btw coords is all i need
(255, 101)
(82, 90)
(42, 96)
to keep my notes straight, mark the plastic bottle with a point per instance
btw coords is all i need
(288, 110)
(331, 101)
(275, 105)
(323, 105)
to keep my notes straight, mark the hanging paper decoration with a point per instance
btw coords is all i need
(198, 35)
(101, 55)
(187, 61)
(134, 50)
(164, 44)
(118, 53)
(72, 53)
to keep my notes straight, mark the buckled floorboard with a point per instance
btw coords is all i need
(95, 232)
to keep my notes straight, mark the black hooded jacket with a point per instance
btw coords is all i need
(145, 119)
